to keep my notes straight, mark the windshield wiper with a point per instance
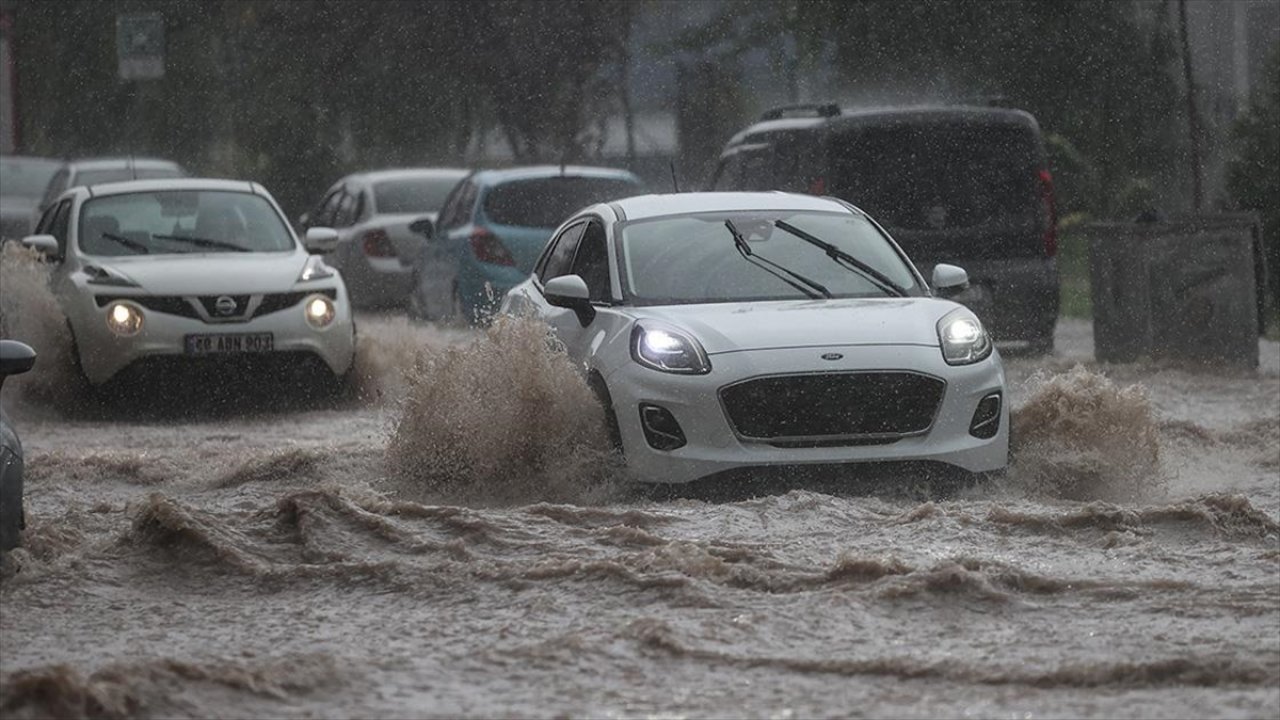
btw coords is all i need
(845, 259)
(127, 242)
(769, 266)
(205, 242)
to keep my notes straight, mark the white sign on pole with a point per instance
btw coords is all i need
(140, 46)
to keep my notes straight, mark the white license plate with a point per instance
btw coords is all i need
(229, 343)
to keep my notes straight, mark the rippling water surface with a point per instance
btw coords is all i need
(428, 547)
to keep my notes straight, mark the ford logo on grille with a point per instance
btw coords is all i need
(831, 356)
(225, 305)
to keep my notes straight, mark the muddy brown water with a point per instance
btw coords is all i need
(287, 564)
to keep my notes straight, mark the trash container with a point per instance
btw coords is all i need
(1184, 290)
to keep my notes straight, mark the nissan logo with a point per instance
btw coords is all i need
(831, 356)
(225, 305)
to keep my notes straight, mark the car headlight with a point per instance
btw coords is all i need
(124, 319)
(319, 310)
(315, 269)
(964, 340)
(667, 349)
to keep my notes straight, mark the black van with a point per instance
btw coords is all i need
(963, 185)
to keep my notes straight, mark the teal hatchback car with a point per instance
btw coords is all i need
(492, 229)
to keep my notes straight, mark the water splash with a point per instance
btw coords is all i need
(1080, 436)
(504, 418)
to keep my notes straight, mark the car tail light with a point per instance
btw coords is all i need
(489, 249)
(377, 243)
(1051, 214)
(818, 186)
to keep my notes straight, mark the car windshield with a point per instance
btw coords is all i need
(923, 177)
(181, 221)
(120, 174)
(692, 258)
(25, 177)
(412, 195)
(546, 202)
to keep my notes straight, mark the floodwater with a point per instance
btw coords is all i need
(433, 548)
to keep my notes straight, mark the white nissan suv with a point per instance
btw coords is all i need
(192, 271)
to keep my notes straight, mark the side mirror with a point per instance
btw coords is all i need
(949, 280)
(15, 358)
(570, 291)
(423, 227)
(46, 244)
(320, 240)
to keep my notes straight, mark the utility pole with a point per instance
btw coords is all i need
(1193, 119)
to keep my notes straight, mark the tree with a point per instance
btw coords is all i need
(1253, 177)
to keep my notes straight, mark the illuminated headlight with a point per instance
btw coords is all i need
(669, 350)
(315, 269)
(124, 319)
(319, 310)
(963, 338)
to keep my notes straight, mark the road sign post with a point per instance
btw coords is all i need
(140, 46)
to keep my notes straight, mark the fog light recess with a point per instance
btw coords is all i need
(986, 418)
(661, 430)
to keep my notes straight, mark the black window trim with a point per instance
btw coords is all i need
(549, 250)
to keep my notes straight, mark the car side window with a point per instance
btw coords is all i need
(560, 259)
(591, 262)
(323, 216)
(58, 228)
(346, 214)
(57, 184)
(453, 213)
(362, 206)
(46, 220)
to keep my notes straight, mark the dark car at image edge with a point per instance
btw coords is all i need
(15, 359)
(965, 185)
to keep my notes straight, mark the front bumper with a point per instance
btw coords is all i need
(713, 447)
(103, 354)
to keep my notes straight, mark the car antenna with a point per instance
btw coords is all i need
(674, 183)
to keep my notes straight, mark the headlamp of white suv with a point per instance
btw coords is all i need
(315, 269)
(964, 341)
(664, 348)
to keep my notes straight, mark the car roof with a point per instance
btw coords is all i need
(533, 172)
(642, 207)
(29, 159)
(119, 162)
(375, 176)
(125, 187)
(900, 115)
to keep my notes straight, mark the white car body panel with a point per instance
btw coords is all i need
(103, 354)
(383, 281)
(748, 340)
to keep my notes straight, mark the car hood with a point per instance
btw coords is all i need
(209, 273)
(730, 327)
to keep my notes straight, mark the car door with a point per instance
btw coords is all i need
(589, 260)
(436, 271)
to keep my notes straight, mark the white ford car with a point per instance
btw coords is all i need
(188, 271)
(731, 334)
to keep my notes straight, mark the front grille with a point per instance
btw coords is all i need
(822, 409)
(210, 303)
(167, 304)
(182, 307)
